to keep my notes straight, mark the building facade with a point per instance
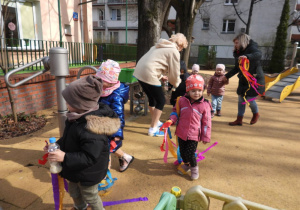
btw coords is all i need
(217, 23)
(115, 21)
(39, 20)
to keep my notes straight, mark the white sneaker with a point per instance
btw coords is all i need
(152, 131)
(159, 124)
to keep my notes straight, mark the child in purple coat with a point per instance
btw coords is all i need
(193, 123)
(216, 88)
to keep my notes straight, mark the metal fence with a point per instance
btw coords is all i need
(224, 54)
(18, 52)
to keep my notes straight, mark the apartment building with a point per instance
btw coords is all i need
(39, 20)
(217, 23)
(115, 21)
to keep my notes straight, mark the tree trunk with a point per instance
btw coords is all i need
(186, 12)
(4, 64)
(249, 18)
(151, 14)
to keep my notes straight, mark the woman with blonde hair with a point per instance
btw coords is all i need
(160, 63)
(245, 47)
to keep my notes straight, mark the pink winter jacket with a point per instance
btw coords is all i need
(194, 122)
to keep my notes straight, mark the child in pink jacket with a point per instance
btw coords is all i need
(193, 123)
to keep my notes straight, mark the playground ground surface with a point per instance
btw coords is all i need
(259, 163)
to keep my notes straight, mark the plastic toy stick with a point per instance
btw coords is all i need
(200, 154)
(111, 203)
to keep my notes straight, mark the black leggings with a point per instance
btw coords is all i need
(187, 151)
(155, 95)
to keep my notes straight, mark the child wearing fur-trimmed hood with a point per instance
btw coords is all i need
(84, 146)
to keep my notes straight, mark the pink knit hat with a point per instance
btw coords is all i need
(196, 68)
(194, 82)
(220, 66)
(109, 71)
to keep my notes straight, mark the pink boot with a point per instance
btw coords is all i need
(194, 173)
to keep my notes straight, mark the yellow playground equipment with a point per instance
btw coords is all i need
(283, 84)
(198, 197)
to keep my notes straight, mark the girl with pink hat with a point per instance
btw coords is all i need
(193, 123)
(115, 94)
(216, 88)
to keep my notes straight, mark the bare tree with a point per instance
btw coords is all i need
(4, 63)
(249, 15)
(151, 14)
(186, 13)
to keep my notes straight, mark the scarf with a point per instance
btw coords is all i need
(108, 91)
(74, 115)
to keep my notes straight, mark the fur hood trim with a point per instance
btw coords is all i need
(102, 125)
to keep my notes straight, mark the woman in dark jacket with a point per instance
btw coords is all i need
(180, 90)
(244, 47)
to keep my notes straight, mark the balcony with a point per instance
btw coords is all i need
(99, 3)
(114, 2)
(111, 24)
(100, 24)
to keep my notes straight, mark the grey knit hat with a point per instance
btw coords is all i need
(83, 94)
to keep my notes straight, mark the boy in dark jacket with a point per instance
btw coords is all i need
(84, 145)
(180, 90)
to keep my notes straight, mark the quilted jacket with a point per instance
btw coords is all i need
(194, 120)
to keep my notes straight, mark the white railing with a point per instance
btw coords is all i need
(99, 23)
(121, 23)
(121, 1)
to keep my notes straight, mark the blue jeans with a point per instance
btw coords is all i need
(242, 107)
(216, 102)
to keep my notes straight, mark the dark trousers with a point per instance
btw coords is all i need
(187, 151)
(155, 95)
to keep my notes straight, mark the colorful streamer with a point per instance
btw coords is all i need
(252, 81)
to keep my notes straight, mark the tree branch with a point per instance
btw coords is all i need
(238, 14)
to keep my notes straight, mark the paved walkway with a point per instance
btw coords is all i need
(257, 162)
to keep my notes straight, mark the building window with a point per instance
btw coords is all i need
(228, 26)
(231, 2)
(205, 24)
(68, 30)
(115, 14)
(114, 37)
(19, 23)
(101, 14)
(99, 37)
